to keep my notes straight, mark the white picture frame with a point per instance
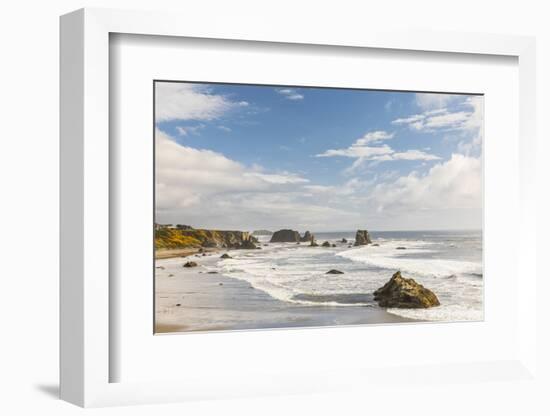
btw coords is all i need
(86, 355)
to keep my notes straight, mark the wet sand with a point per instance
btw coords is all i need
(192, 299)
(167, 253)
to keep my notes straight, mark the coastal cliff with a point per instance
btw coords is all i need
(177, 238)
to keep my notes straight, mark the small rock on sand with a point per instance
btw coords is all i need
(190, 264)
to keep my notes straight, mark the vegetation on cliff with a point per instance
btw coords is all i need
(173, 238)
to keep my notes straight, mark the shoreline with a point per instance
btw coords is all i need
(169, 253)
(194, 300)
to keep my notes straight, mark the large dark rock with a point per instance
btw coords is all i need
(326, 244)
(404, 293)
(225, 256)
(362, 238)
(307, 237)
(285, 236)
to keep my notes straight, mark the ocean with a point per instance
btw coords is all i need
(447, 262)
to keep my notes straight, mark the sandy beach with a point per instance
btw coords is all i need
(198, 299)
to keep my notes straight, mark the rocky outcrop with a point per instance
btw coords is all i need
(247, 245)
(173, 238)
(183, 227)
(362, 238)
(326, 244)
(344, 241)
(399, 292)
(225, 256)
(285, 236)
(262, 232)
(307, 237)
(313, 244)
(334, 271)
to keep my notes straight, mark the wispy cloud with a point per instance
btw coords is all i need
(431, 101)
(368, 148)
(290, 94)
(225, 128)
(180, 101)
(187, 130)
(442, 119)
(374, 137)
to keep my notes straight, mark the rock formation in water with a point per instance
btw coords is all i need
(190, 264)
(334, 271)
(285, 236)
(326, 244)
(308, 237)
(362, 238)
(399, 292)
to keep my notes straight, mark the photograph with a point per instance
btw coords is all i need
(299, 207)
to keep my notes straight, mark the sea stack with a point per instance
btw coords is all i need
(308, 237)
(362, 238)
(285, 236)
(404, 293)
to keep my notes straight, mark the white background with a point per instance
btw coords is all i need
(29, 172)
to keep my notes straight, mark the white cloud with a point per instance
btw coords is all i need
(374, 137)
(414, 154)
(454, 184)
(181, 101)
(225, 128)
(186, 130)
(442, 119)
(360, 151)
(283, 178)
(206, 189)
(290, 94)
(430, 101)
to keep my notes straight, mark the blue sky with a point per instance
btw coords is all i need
(340, 159)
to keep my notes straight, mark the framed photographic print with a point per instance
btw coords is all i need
(284, 213)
